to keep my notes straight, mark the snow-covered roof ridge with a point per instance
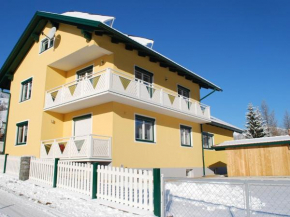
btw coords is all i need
(144, 41)
(254, 141)
(216, 121)
(89, 16)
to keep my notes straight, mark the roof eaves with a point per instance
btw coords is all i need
(25, 37)
(235, 129)
(153, 52)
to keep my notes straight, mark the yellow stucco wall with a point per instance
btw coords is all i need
(36, 65)
(111, 119)
(166, 152)
(216, 158)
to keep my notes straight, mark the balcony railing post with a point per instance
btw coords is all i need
(161, 96)
(110, 147)
(180, 98)
(138, 89)
(91, 145)
(109, 78)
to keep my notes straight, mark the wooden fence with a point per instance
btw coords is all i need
(75, 177)
(41, 170)
(126, 189)
(13, 165)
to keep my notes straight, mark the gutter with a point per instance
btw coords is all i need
(5, 134)
(203, 160)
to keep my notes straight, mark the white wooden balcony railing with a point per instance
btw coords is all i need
(115, 82)
(77, 147)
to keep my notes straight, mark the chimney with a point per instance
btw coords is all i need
(289, 132)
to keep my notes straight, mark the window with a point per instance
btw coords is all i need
(207, 139)
(22, 129)
(182, 91)
(146, 78)
(143, 75)
(85, 73)
(144, 129)
(46, 44)
(26, 90)
(185, 136)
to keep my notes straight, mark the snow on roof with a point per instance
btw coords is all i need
(216, 121)
(255, 141)
(145, 41)
(88, 16)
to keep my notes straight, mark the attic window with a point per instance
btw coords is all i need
(46, 44)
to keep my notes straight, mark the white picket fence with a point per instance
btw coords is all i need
(13, 165)
(126, 189)
(2, 159)
(41, 170)
(76, 177)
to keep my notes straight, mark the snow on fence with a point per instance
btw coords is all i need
(2, 159)
(75, 177)
(126, 189)
(13, 165)
(41, 170)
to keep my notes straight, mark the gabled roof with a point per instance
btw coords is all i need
(220, 123)
(40, 19)
(274, 140)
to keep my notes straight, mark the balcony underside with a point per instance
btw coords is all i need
(112, 96)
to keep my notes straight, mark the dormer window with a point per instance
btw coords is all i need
(85, 73)
(46, 44)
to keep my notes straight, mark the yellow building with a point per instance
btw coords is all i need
(81, 90)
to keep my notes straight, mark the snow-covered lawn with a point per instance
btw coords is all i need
(55, 201)
(226, 199)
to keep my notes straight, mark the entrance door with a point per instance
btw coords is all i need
(83, 125)
(82, 128)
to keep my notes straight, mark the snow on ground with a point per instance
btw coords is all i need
(224, 199)
(55, 201)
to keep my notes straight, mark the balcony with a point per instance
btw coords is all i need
(110, 85)
(89, 147)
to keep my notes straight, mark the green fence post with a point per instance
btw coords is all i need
(95, 181)
(5, 163)
(157, 192)
(55, 172)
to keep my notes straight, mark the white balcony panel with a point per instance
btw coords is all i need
(109, 85)
(89, 147)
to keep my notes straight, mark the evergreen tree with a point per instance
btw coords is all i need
(255, 126)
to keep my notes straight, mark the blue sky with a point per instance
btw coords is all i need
(242, 46)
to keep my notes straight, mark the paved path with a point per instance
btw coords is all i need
(15, 206)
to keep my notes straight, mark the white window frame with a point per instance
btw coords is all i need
(16, 137)
(21, 90)
(191, 138)
(212, 134)
(41, 42)
(154, 130)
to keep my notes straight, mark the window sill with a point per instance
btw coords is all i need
(19, 144)
(186, 146)
(145, 141)
(24, 100)
(209, 149)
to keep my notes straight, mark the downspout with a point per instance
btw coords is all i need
(203, 161)
(5, 134)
